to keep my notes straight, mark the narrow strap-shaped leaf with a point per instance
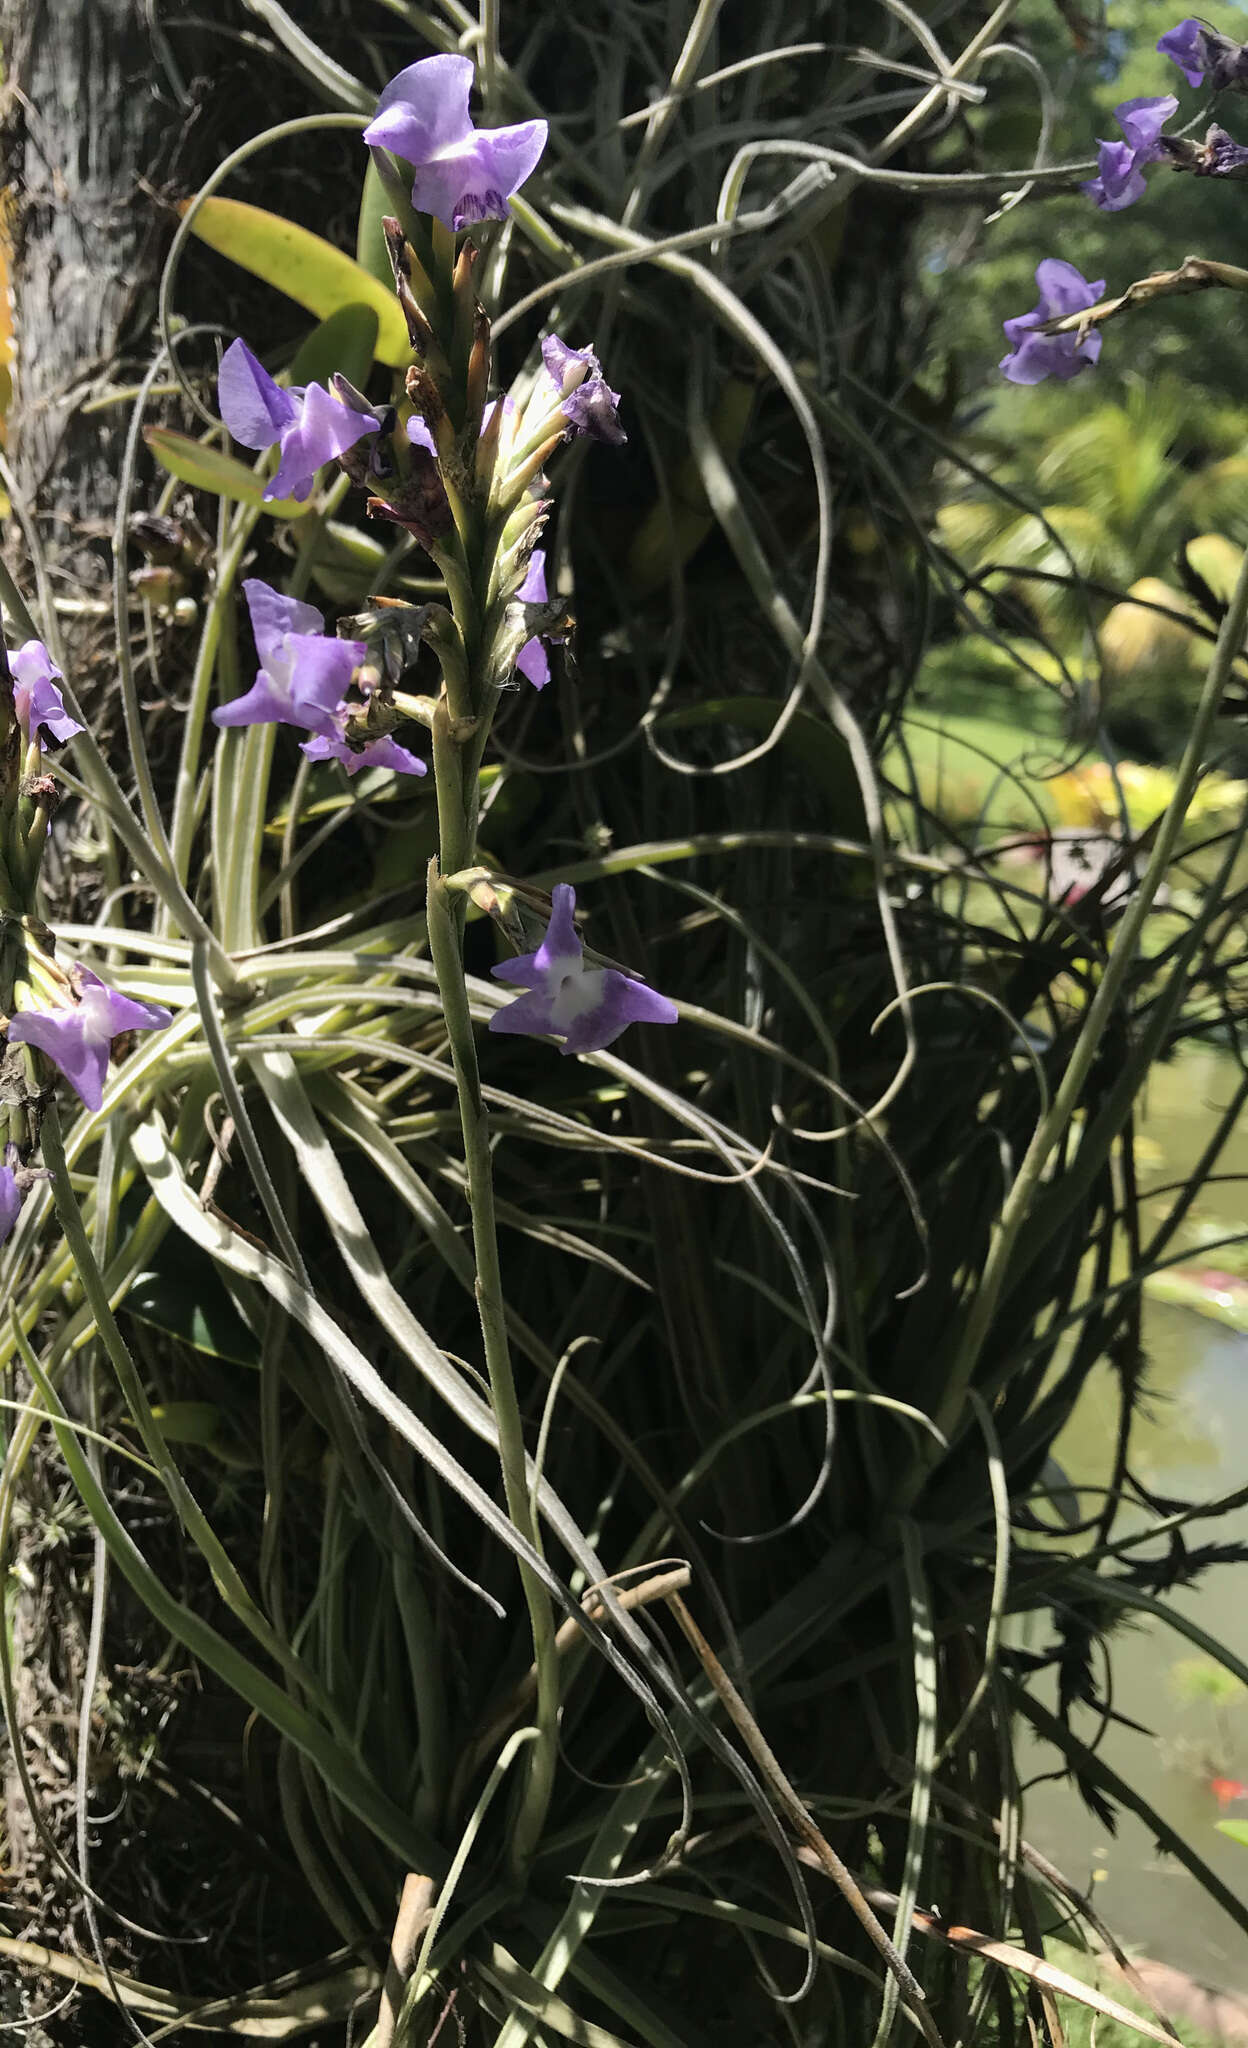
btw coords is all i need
(350, 1784)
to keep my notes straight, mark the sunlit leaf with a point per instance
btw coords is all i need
(209, 469)
(344, 341)
(303, 265)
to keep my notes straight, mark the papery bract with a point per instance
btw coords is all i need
(1218, 156)
(533, 661)
(1120, 177)
(460, 173)
(587, 401)
(1063, 290)
(78, 1037)
(585, 1006)
(304, 672)
(309, 425)
(36, 700)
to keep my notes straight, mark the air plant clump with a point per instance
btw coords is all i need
(453, 1369)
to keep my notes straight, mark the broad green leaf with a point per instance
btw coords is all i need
(1236, 1829)
(188, 1422)
(370, 240)
(304, 266)
(182, 1295)
(346, 341)
(209, 469)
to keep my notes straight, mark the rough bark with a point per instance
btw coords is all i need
(89, 118)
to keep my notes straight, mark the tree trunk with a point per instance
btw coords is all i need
(88, 114)
(86, 117)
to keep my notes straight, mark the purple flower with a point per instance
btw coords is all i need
(36, 699)
(304, 673)
(78, 1038)
(382, 752)
(1203, 55)
(1120, 180)
(587, 400)
(461, 174)
(533, 660)
(1185, 46)
(1035, 356)
(10, 1201)
(16, 1182)
(585, 1006)
(309, 425)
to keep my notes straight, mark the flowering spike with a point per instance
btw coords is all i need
(460, 174)
(587, 1007)
(1034, 356)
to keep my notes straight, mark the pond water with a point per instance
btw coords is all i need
(1190, 1442)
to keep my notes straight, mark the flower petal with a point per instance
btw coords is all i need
(528, 1014)
(476, 180)
(78, 1040)
(36, 699)
(424, 109)
(624, 1002)
(253, 406)
(323, 428)
(274, 615)
(1185, 46)
(533, 663)
(382, 752)
(10, 1201)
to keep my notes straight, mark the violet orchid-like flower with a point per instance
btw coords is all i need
(382, 752)
(1033, 356)
(1120, 173)
(309, 425)
(585, 1006)
(460, 173)
(533, 661)
(16, 1182)
(304, 672)
(36, 700)
(10, 1200)
(587, 401)
(78, 1037)
(1205, 57)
